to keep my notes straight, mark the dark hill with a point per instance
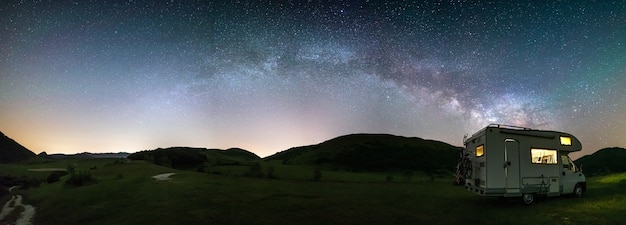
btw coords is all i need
(175, 157)
(11, 151)
(185, 157)
(604, 161)
(231, 156)
(375, 152)
(89, 155)
(237, 153)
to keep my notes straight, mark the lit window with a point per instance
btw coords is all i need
(543, 156)
(566, 140)
(480, 150)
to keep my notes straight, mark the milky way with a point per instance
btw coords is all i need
(269, 75)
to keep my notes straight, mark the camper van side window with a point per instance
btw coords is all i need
(567, 141)
(543, 156)
(480, 150)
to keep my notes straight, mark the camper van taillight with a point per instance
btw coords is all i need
(566, 141)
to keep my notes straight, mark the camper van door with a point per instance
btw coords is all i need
(569, 175)
(512, 166)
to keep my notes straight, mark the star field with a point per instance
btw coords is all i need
(268, 75)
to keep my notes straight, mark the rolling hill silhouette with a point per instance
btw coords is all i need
(186, 157)
(604, 161)
(87, 155)
(355, 152)
(236, 153)
(375, 152)
(367, 152)
(11, 151)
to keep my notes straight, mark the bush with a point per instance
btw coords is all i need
(255, 170)
(80, 179)
(53, 177)
(9, 181)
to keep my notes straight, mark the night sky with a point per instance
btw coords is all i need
(111, 76)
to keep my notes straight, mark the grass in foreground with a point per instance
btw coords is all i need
(126, 194)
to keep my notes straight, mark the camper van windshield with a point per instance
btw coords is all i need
(567, 163)
(543, 156)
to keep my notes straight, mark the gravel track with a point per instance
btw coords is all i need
(26, 217)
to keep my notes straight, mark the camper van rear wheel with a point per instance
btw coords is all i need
(578, 191)
(528, 198)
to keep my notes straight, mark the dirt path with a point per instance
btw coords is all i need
(163, 176)
(26, 217)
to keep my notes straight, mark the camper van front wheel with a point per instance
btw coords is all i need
(578, 191)
(528, 198)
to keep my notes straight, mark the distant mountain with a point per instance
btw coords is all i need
(604, 161)
(375, 152)
(11, 151)
(186, 157)
(88, 155)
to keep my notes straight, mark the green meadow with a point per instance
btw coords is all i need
(126, 193)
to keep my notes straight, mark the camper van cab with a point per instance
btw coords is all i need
(509, 161)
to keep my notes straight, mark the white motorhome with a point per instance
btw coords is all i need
(510, 161)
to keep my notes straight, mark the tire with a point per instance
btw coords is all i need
(528, 198)
(578, 191)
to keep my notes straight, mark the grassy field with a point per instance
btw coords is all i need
(305, 172)
(126, 193)
(26, 168)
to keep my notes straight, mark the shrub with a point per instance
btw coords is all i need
(9, 181)
(255, 170)
(80, 179)
(53, 177)
(71, 170)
